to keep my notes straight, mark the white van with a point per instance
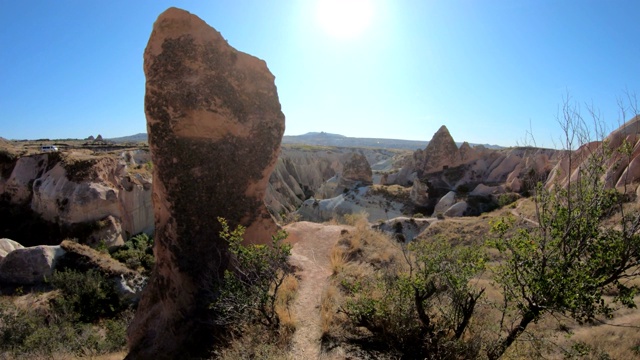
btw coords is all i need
(48, 148)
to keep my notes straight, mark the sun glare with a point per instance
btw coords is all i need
(346, 19)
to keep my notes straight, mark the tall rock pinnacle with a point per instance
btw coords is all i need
(215, 127)
(441, 151)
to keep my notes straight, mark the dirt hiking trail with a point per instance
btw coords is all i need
(312, 244)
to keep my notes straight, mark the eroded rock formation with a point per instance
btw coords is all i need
(101, 197)
(215, 127)
(622, 167)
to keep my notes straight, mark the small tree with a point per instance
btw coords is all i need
(424, 307)
(250, 288)
(565, 263)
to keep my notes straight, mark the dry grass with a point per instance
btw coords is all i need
(363, 244)
(284, 300)
(355, 257)
(112, 356)
(337, 259)
(255, 343)
(360, 252)
(329, 306)
(395, 193)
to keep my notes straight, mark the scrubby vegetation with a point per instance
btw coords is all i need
(254, 298)
(79, 313)
(136, 253)
(570, 267)
(82, 317)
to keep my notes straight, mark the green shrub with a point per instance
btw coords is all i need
(424, 308)
(85, 297)
(506, 199)
(250, 288)
(42, 334)
(137, 253)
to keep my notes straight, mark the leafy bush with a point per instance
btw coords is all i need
(85, 297)
(43, 334)
(423, 307)
(568, 260)
(250, 289)
(137, 253)
(506, 199)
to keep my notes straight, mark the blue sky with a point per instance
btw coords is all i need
(488, 70)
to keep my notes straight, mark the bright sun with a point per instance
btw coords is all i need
(344, 18)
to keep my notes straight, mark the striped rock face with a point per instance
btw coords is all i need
(215, 127)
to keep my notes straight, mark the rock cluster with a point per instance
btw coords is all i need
(356, 172)
(82, 190)
(215, 126)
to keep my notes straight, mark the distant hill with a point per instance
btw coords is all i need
(328, 139)
(137, 138)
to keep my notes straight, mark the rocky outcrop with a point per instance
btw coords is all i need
(622, 168)
(442, 151)
(456, 210)
(27, 266)
(356, 172)
(445, 203)
(303, 172)
(80, 190)
(377, 205)
(7, 246)
(419, 193)
(108, 233)
(215, 127)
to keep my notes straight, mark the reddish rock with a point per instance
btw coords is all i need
(442, 151)
(215, 127)
(357, 169)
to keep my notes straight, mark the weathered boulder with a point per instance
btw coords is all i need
(445, 203)
(109, 233)
(215, 126)
(17, 187)
(357, 169)
(457, 210)
(30, 265)
(7, 246)
(418, 194)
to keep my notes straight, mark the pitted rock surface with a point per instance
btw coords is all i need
(357, 169)
(215, 127)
